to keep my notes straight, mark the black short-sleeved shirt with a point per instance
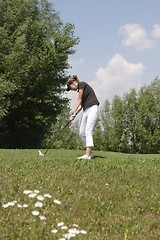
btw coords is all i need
(89, 97)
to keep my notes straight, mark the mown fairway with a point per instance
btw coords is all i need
(112, 197)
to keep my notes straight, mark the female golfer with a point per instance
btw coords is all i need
(87, 101)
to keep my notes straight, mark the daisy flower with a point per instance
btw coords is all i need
(54, 231)
(56, 201)
(36, 191)
(83, 232)
(25, 205)
(32, 195)
(35, 213)
(43, 218)
(19, 205)
(27, 191)
(64, 227)
(40, 197)
(60, 224)
(38, 204)
(47, 195)
(12, 203)
(5, 205)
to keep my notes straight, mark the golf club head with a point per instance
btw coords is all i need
(40, 153)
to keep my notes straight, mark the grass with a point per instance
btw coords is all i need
(112, 197)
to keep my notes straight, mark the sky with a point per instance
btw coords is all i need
(119, 46)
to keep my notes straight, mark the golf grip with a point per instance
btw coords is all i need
(57, 136)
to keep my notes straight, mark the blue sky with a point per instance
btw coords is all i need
(119, 43)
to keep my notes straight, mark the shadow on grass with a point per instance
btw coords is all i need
(97, 156)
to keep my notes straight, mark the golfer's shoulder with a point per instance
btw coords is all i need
(82, 84)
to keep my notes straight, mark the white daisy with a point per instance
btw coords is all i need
(32, 195)
(35, 213)
(12, 203)
(83, 232)
(47, 195)
(75, 225)
(56, 201)
(40, 197)
(5, 205)
(73, 231)
(64, 227)
(42, 217)
(25, 205)
(19, 205)
(69, 235)
(27, 191)
(60, 224)
(38, 204)
(36, 191)
(54, 231)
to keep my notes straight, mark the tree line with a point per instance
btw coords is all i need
(34, 50)
(131, 123)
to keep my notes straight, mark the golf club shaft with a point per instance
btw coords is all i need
(57, 136)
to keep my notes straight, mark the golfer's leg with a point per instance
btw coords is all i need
(82, 128)
(90, 126)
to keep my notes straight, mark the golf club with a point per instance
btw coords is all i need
(43, 154)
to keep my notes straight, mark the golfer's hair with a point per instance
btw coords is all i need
(76, 78)
(72, 79)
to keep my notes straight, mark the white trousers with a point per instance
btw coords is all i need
(87, 125)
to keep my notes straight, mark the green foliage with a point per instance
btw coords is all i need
(108, 196)
(6, 89)
(132, 123)
(98, 140)
(149, 124)
(117, 111)
(60, 137)
(32, 69)
(105, 121)
(129, 132)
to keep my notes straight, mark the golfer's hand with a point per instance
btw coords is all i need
(72, 117)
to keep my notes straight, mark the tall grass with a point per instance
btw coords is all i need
(115, 196)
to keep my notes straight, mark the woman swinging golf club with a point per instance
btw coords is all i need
(87, 101)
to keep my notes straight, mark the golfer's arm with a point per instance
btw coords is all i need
(79, 109)
(78, 105)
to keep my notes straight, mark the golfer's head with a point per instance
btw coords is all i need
(72, 83)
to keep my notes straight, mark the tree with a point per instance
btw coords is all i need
(68, 138)
(132, 123)
(105, 122)
(32, 70)
(149, 111)
(98, 137)
(130, 120)
(117, 128)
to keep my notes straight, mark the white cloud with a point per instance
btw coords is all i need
(76, 63)
(156, 31)
(118, 77)
(135, 36)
